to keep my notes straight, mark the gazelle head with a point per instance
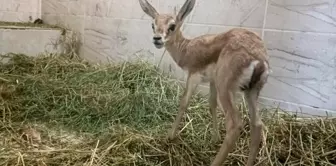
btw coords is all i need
(165, 26)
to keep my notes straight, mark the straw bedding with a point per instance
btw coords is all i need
(61, 111)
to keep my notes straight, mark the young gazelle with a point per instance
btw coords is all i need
(232, 61)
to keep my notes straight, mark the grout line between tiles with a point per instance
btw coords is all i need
(264, 22)
(40, 9)
(84, 23)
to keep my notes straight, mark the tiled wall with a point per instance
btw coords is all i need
(19, 10)
(300, 36)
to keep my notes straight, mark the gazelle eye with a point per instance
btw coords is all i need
(172, 27)
(153, 26)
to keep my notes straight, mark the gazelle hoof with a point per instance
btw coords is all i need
(171, 136)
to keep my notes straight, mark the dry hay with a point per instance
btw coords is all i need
(58, 111)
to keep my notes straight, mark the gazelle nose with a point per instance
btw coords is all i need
(156, 38)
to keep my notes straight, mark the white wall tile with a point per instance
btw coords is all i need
(115, 39)
(247, 13)
(19, 10)
(304, 68)
(55, 6)
(302, 15)
(31, 42)
(77, 7)
(98, 8)
(129, 9)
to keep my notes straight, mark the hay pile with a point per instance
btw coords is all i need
(57, 111)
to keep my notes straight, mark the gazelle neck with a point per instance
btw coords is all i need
(177, 46)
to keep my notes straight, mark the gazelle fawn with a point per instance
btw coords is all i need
(233, 61)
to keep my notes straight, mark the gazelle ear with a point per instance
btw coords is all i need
(148, 8)
(185, 10)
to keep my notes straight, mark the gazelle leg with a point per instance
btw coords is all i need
(213, 111)
(233, 125)
(255, 123)
(192, 82)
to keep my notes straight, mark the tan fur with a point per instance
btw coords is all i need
(231, 61)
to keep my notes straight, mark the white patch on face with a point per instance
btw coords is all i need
(171, 22)
(154, 29)
(163, 35)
